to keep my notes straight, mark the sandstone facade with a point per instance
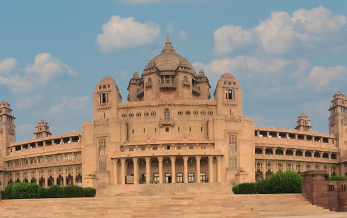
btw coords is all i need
(170, 131)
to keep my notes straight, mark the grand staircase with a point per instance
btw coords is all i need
(165, 200)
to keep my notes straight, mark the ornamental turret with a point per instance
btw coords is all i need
(303, 123)
(42, 130)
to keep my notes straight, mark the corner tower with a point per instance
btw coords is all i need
(228, 95)
(7, 127)
(105, 99)
(338, 119)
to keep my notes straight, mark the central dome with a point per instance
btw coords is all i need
(168, 61)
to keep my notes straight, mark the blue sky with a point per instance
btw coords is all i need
(289, 56)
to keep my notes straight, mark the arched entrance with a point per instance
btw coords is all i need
(60, 180)
(42, 182)
(69, 180)
(50, 181)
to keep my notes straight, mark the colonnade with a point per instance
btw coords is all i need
(63, 175)
(173, 171)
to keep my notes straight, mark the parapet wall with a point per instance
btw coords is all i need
(330, 195)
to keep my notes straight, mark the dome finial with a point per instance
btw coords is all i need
(168, 47)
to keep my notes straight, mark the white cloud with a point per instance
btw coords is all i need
(29, 101)
(25, 129)
(7, 65)
(175, 30)
(317, 109)
(45, 69)
(321, 77)
(169, 27)
(182, 34)
(70, 106)
(123, 33)
(282, 33)
(257, 73)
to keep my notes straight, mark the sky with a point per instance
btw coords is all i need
(289, 56)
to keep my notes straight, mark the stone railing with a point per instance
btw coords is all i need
(330, 195)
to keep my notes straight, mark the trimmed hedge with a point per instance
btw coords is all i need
(8, 191)
(42, 192)
(280, 182)
(337, 178)
(24, 190)
(3, 195)
(89, 192)
(73, 192)
(55, 191)
(245, 188)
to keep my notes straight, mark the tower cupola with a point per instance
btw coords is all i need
(303, 123)
(42, 130)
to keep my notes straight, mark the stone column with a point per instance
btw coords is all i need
(115, 171)
(210, 169)
(197, 162)
(64, 176)
(74, 175)
(136, 170)
(219, 163)
(45, 171)
(173, 169)
(148, 170)
(185, 169)
(55, 176)
(160, 160)
(37, 176)
(20, 176)
(123, 171)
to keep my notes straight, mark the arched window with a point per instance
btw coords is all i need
(185, 78)
(149, 80)
(167, 114)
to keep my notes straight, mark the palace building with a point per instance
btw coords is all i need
(170, 131)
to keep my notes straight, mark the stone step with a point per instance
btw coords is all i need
(227, 205)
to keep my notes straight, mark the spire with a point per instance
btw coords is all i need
(168, 47)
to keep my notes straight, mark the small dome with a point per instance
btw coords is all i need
(227, 76)
(107, 79)
(168, 60)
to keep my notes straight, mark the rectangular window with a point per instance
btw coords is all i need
(232, 143)
(233, 162)
(178, 129)
(202, 177)
(190, 177)
(230, 94)
(167, 129)
(102, 166)
(156, 177)
(167, 114)
(102, 146)
(179, 178)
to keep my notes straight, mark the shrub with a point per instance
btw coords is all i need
(337, 178)
(285, 182)
(8, 190)
(24, 190)
(244, 188)
(263, 186)
(89, 192)
(42, 192)
(55, 191)
(73, 191)
(3, 195)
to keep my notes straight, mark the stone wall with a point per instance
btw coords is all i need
(330, 195)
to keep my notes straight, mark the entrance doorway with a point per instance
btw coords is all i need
(167, 177)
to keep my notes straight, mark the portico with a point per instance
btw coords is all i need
(167, 169)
